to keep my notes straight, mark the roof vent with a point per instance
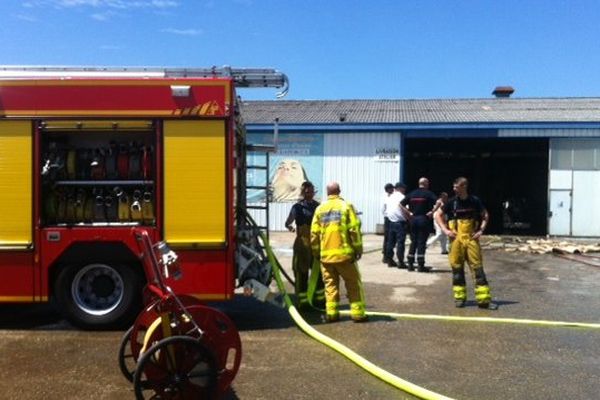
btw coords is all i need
(343, 116)
(503, 91)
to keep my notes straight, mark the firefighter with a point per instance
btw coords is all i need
(421, 205)
(302, 214)
(336, 240)
(467, 220)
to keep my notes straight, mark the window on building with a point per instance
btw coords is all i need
(576, 154)
(561, 154)
(584, 153)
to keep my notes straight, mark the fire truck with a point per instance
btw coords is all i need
(88, 155)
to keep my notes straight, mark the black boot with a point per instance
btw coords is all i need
(411, 262)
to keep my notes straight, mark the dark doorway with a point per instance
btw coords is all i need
(509, 175)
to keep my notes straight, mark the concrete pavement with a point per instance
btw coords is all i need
(42, 357)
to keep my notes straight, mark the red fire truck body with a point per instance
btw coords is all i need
(85, 158)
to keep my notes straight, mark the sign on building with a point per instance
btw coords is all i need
(387, 154)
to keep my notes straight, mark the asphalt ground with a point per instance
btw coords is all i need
(43, 357)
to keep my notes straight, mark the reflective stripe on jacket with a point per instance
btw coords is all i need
(335, 231)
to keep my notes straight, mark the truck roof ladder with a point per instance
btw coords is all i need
(242, 77)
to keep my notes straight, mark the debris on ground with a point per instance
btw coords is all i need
(539, 246)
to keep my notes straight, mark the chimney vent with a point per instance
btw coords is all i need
(503, 91)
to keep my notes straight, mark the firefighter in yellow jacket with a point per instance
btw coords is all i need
(336, 240)
(467, 220)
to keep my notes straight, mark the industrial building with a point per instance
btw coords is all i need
(535, 162)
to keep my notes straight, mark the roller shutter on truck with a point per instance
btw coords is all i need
(195, 183)
(15, 184)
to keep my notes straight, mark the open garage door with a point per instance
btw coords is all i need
(510, 176)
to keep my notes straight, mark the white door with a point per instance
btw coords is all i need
(560, 212)
(586, 213)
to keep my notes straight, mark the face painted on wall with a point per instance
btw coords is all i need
(288, 178)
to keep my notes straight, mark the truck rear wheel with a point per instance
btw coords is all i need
(99, 295)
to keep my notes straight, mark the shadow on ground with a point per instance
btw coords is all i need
(247, 314)
(250, 314)
(32, 316)
(500, 303)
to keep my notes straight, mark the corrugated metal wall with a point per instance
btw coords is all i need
(351, 160)
(278, 213)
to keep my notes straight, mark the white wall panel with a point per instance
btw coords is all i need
(351, 160)
(278, 213)
(560, 179)
(586, 213)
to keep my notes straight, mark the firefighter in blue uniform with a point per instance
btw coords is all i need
(420, 204)
(301, 215)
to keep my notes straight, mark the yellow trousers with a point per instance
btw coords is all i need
(302, 264)
(464, 249)
(348, 270)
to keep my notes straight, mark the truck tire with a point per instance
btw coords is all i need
(99, 295)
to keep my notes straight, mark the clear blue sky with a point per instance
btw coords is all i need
(330, 49)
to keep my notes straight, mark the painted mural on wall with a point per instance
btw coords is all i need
(298, 158)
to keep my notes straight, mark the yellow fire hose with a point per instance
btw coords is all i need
(557, 324)
(373, 369)
(340, 348)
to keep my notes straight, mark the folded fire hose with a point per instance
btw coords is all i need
(373, 369)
